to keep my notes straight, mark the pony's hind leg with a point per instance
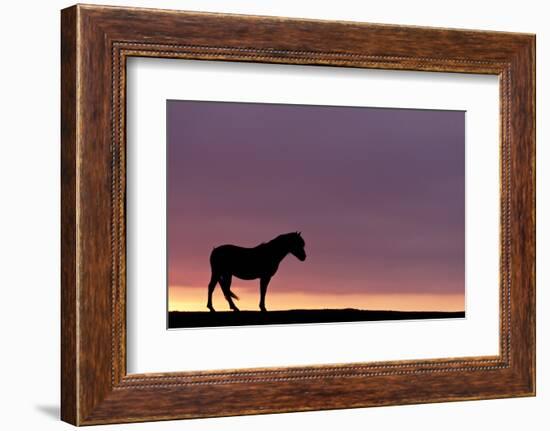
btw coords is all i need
(211, 287)
(225, 284)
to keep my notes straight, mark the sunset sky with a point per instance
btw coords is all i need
(378, 195)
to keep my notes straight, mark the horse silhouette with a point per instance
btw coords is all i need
(245, 263)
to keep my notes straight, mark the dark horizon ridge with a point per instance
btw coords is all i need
(199, 319)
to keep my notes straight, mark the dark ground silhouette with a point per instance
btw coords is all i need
(201, 319)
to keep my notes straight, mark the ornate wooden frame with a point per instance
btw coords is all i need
(95, 43)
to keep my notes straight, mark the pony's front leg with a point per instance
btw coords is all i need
(264, 281)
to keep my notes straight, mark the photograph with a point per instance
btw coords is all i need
(300, 214)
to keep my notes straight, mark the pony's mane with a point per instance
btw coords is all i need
(283, 238)
(286, 237)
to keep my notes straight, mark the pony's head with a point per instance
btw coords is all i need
(296, 245)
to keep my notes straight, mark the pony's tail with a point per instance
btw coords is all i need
(228, 293)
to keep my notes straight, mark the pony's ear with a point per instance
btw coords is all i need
(299, 233)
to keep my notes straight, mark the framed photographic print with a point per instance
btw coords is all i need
(322, 214)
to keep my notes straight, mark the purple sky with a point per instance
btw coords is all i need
(377, 193)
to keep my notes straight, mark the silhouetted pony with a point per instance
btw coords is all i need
(260, 262)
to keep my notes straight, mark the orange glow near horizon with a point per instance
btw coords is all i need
(192, 298)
